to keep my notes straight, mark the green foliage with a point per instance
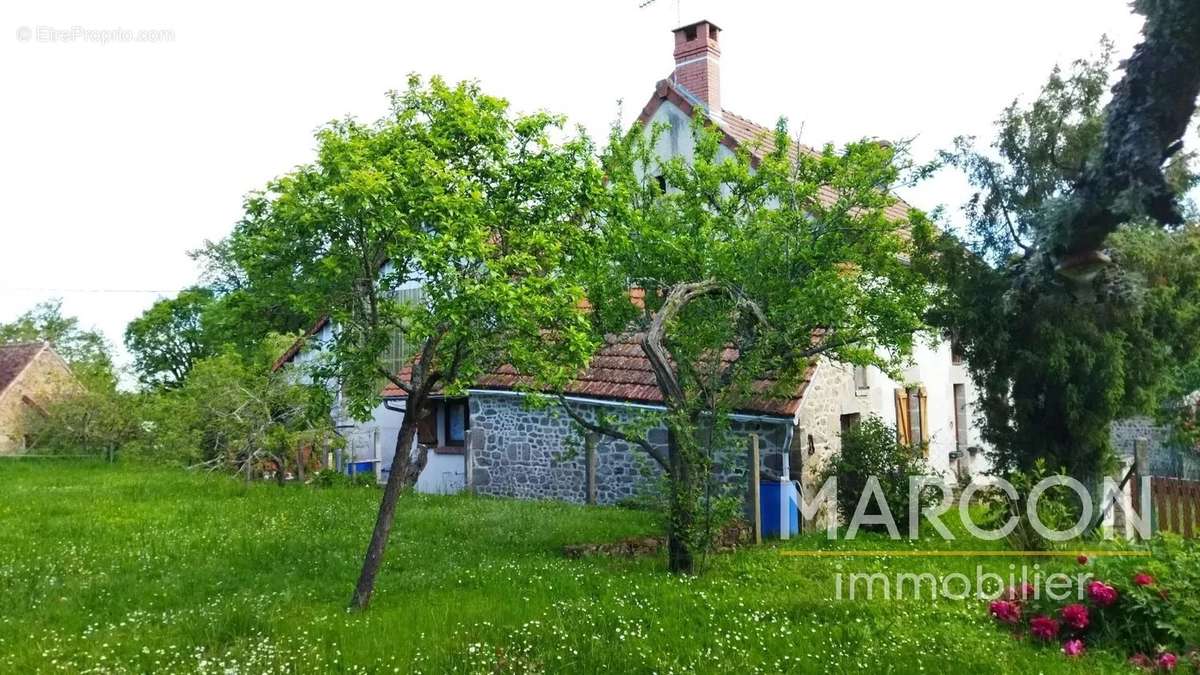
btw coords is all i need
(1155, 608)
(96, 420)
(1058, 508)
(870, 449)
(1056, 362)
(449, 193)
(1038, 153)
(85, 350)
(750, 254)
(244, 314)
(1164, 614)
(171, 336)
(234, 415)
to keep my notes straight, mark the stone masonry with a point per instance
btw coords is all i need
(538, 454)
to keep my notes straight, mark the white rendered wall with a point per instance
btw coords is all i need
(931, 367)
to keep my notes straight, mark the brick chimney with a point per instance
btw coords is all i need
(698, 64)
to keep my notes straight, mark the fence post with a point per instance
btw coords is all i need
(1141, 462)
(378, 453)
(591, 460)
(755, 498)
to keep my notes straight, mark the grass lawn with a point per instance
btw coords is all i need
(124, 569)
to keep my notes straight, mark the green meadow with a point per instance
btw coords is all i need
(120, 569)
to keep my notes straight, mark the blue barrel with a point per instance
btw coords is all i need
(779, 502)
(356, 468)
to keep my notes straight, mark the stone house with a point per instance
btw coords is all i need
(493, 442)
(31, 375)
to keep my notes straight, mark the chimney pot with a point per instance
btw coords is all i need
(698, 64)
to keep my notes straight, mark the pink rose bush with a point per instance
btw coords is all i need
(1135, 615)
(1101, 594)
(1006, 611)
(1019, 593)
(1043, 627)
(1073, 647)
(1075, 616)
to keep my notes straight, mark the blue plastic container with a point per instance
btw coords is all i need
(355, 468)
(779, 502)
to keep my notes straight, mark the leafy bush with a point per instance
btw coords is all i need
(96, 420)
(1146, 608)
(1058, 508)
(870, 449)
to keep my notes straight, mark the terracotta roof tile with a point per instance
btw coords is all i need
(620, 371)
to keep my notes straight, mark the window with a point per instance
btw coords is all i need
(956, 351)
(427, 425)
(662, 183)
(457, 422)
(850, 420)
(960, 416)
(400, 348)
(860, 378)
(912, 417)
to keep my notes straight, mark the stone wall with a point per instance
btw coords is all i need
(44, 379)
(538, 454)
(820, 417)
(1165, 459)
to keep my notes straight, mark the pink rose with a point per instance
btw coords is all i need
(1024, 591)
(1006, 611)
(1143, 579)
(1140, 660)
(1075, 616)
(1073, 647)
(1101, 593)
(1043, 628)
(1167, 661)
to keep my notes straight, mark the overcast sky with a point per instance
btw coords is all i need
(120, 156)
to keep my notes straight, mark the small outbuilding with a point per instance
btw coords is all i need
(31, 375)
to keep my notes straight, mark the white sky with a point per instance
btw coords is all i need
(118, 158)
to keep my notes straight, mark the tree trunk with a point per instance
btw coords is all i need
(680, 557)
(398, 479)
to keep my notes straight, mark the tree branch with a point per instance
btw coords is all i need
(611, 432)
(1149, 112)
(660, 361)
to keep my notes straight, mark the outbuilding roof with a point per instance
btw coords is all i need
(14, 358)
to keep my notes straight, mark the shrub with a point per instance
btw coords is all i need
(1147, 608)
(871, 449)
(1058, 508)
(97, 420)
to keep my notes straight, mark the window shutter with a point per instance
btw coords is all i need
(924, 412)
(427, 425)
(903, 428)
